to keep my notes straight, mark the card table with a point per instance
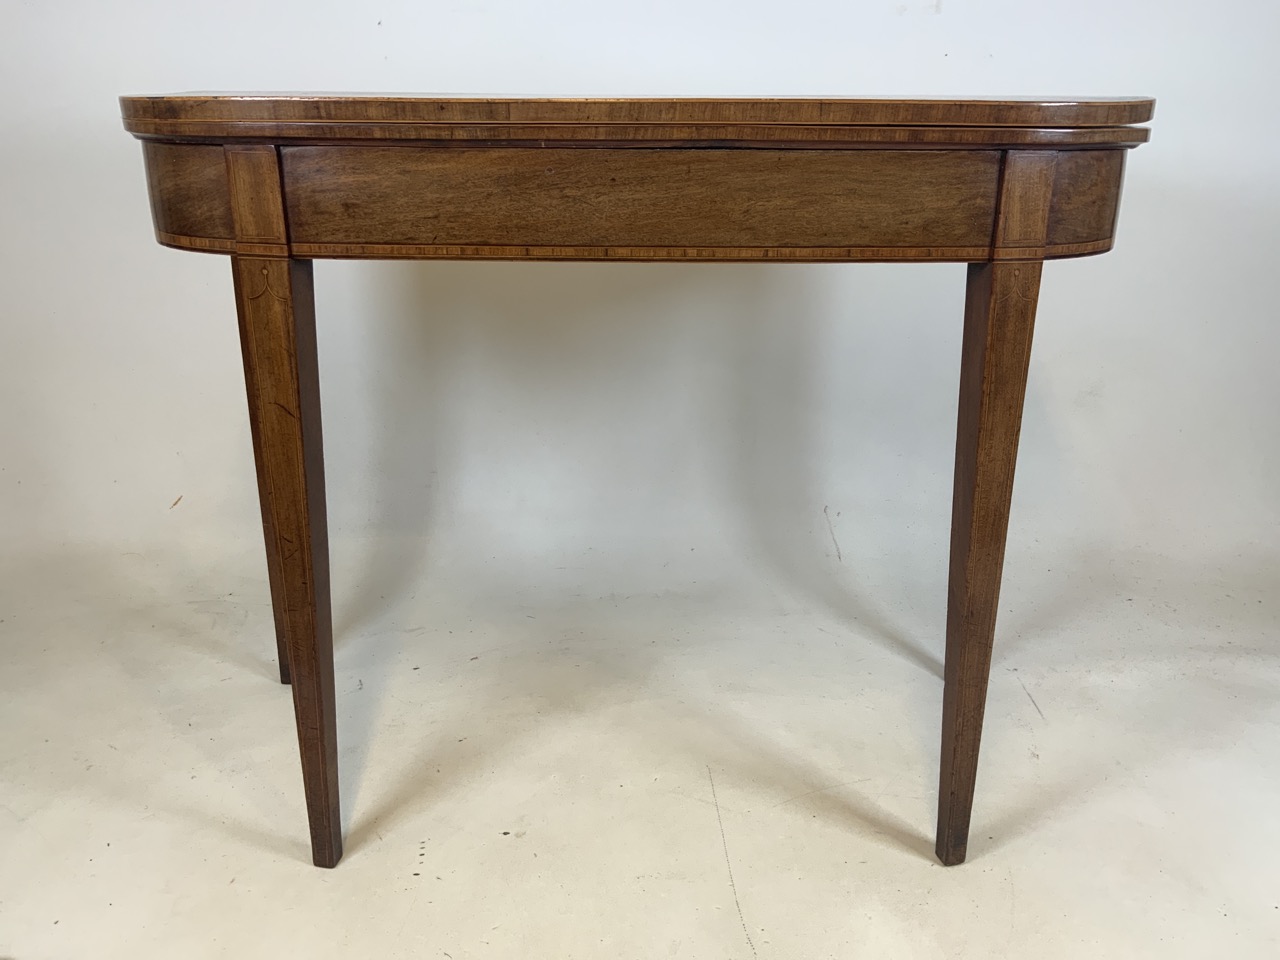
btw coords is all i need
(276, 181)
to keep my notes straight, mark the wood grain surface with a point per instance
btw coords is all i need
(1086, 196)
(641, 199)
(275, 180)
(782, 122)
(999, 317)
(379, 201)
(619, 136)
(189, 193)
(275, 303)
(858, 111)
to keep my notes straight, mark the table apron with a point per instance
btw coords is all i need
(529, 202)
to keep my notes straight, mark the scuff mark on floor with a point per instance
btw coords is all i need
(1031, 698)
(826, 512)
(729, 865)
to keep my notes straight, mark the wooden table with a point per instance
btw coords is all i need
(276, 181)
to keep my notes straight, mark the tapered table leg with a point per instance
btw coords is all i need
(277, 322)
(275, 576)
(1000, 311)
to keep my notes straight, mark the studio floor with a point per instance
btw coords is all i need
(596, 763)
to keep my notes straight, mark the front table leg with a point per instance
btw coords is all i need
(277, 323)
(1000, 309)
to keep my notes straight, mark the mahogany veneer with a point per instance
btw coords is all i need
(279, 180)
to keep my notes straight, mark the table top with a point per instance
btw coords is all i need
(319, 117)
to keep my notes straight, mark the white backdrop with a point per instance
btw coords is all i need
(598, 525)
(511, 416)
